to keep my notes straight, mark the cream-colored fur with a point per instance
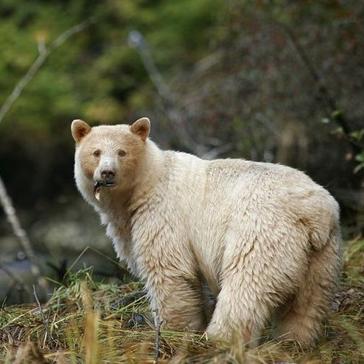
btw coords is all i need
(264, 238)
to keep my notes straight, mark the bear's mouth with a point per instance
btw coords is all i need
(98, 185)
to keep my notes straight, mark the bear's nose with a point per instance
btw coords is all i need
(107, 174)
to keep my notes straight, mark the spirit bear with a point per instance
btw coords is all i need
(264, 238)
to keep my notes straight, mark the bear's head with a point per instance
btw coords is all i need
(107, 157)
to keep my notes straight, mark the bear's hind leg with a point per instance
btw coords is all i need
(240, 310)
(303, 319)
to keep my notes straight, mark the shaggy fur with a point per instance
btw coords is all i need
(264, 238)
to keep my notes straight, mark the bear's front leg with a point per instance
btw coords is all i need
(177, 301)
(166, 264)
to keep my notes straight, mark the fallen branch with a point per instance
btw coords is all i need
(20, 234)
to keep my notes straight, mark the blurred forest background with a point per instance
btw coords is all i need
(277, 81)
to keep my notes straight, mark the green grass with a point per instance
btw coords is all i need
(90, 322)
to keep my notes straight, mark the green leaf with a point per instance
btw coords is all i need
(360, 157)
(357, 134)
(336, 114)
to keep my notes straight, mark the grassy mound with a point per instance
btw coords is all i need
(89, 322)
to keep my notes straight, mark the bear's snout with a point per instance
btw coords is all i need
(107, 175)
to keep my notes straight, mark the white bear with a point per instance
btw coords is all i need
(264, 238)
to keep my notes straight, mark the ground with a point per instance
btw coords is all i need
(89, 322)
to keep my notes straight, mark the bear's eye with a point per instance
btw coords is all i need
(121, 153)
(97, 153)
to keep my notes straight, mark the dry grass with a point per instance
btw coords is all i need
(88, 322)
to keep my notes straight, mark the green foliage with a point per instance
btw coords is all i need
(360, 159)
(95, 74)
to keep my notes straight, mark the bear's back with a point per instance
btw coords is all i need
(250, 178)
(243, 188)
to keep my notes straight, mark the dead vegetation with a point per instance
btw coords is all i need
(90, 322)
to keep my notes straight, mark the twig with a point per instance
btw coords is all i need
(44, 320)
(157, 338)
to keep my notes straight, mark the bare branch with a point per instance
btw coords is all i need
(137, 41)
(38, 63)
(70, 32)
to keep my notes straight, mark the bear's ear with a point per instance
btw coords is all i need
(141, 127)
(79, 129)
